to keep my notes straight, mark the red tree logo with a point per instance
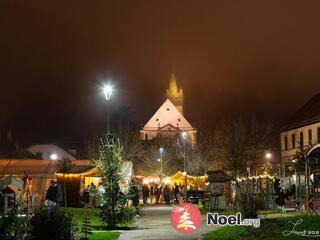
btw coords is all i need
(185, 218)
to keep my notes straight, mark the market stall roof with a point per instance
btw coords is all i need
(82, 169)
(180, 175)
(33, 167)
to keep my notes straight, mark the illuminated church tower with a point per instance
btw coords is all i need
(174, 94)
(169, 119)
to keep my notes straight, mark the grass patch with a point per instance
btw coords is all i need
(267, 211)
(96, 223)
(269, 229)
(104, 236)
(95, 220)
(227, 232)
(203, 209)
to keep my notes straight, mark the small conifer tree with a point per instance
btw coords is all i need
(109, 166)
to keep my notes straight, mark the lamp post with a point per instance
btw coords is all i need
(161, 152)
(107, 90)
(307, 177)
(184, 136)
(295, 182)
(248, 172)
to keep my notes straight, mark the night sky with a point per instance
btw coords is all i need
(231, 57)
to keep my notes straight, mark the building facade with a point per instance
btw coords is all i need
(169, 119)
(302, 130)
(302, 135)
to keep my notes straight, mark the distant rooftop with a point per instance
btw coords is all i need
(307, 114)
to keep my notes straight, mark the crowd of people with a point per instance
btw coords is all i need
(158, 194)
(155, 194)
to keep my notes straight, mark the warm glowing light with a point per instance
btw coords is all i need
(167, 181)
(184, 173)
(107, 90)
(184, 135)
(268, 155)
(256, 177)
(53, 156)
(68, 175)
(159, 160)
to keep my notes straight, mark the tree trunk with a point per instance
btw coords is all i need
(64, 190)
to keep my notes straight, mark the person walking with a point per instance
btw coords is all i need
(166, 194)
(176, 192)
(145, 193)
(152, 193)
(172, 194)
(133, 195)
(52, 195)
(157, 193)
(161, 194)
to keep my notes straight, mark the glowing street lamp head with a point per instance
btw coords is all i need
(161, 150)
(53, 156)
(107, 90)
(184, 135)
(268, 155)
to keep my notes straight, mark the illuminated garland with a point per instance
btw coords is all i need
(256, 177)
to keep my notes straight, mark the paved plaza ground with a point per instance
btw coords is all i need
(155, 224)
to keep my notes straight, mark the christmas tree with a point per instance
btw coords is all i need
(113, 199)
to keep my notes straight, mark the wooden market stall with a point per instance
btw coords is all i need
(220, 190)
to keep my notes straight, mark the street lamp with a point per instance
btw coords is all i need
(161, 152)
(295, 180)
(268, 156)
(53, 156)
(184, 137)
(107, 90)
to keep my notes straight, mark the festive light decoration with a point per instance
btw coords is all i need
(256, 177)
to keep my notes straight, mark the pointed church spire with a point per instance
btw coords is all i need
(172, 91)
(175, 94)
